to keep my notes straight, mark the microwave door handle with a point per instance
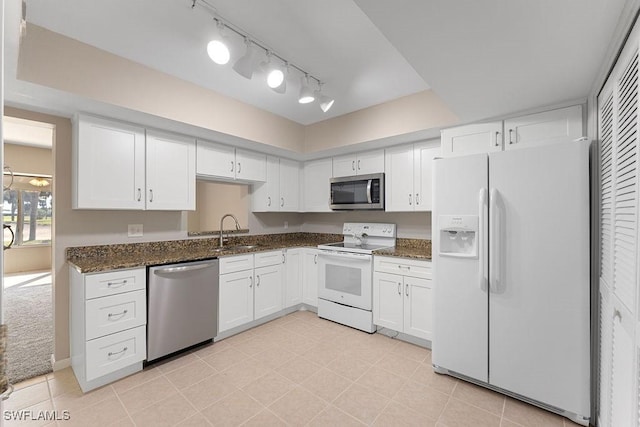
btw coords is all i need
(369, 198)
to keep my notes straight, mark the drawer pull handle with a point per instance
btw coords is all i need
(114, 353)
(111, 315)
(408, 267)
(117, 284)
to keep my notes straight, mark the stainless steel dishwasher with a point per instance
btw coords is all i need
(182, 306)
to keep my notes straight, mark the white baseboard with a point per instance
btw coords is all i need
(60, 364)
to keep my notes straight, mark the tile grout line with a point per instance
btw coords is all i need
(123, 406)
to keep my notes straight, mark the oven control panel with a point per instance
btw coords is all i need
(371, 229)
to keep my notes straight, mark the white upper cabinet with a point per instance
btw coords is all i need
(171, 172)
(359, 163)
(549, 127)
(408, 183)
(116, 167)
(472, 139)
(317, 174)
(108, 165)
(228, 163)
(281, 191)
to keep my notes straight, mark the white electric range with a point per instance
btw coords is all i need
(345, 286)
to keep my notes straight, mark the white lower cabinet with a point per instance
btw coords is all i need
(293, 277)
(248, 293)
(310, 276)
(402, 296)
(107, 325)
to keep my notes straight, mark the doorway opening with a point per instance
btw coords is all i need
(28, 240)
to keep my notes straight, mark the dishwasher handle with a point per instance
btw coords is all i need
(183, 269)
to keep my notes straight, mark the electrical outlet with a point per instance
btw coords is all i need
(135, 230)
(286, 225)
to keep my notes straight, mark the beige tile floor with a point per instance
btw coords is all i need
(296, 370)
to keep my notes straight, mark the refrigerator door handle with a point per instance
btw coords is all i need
(494, 249)
(482, 260)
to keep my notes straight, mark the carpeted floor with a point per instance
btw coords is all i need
(29, 318)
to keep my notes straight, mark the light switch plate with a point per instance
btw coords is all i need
(135, 230)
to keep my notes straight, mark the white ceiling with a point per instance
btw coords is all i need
(483, 58)
(333, 40)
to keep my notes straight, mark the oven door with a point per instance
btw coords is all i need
(345, 278)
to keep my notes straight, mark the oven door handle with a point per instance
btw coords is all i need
(335, 254)
(369, 198)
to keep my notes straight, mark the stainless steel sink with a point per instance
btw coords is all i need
(234, 248)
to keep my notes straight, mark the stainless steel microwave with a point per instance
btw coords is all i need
(360, 192)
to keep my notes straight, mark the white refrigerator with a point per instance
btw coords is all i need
(511, 265)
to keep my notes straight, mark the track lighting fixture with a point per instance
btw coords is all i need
(325, 102)
(246, 65)
(275, 75)
(276, 67)
(306, 95)
(217, 48)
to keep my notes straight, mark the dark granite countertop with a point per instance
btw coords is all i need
(92, 259)
(409, 248)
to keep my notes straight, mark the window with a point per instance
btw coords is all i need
(27, 208)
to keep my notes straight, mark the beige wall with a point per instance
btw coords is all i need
(414, 225)
(213, 200)
(27, 258)
(26, 159)
(51, 59)
(412, 113)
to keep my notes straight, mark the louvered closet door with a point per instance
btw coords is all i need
(625, 213)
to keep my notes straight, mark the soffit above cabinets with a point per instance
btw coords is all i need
(483, 59)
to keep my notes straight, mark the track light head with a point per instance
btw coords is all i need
(246, 65)
(325, 102)
(306, 95)
(217, 48)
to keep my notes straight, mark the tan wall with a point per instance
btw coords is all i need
(404, 115)
(213, 200)
(25, 258)
(414, 225)
(51, 59)
(26, 159)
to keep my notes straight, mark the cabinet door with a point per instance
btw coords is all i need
(418, 301)
(316, 185)
(251, 166)
(310, 277)
(472, 139)
(265, 197)
(549, 127)
(289, 185)
(108, 165)
(268, 290)
(293, 277)
(423, 155)
(387, 301)
(215, 160)
(236, 300)
(171, 172)
(399, 194)
(344, 165)
(370, 162)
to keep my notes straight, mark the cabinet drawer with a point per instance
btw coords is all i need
(115, 313)
(264, 259)
(403, 266)
(232, 264)
(116, 351)
(115, 282)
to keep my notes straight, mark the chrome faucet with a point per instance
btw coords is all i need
(222, 220)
